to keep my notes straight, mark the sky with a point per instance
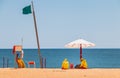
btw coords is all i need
(60, 22)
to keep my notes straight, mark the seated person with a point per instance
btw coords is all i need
(83, 64)
(65, 64)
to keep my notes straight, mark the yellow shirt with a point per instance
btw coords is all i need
(65, 64)
(83, 64)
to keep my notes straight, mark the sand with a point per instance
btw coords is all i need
(59, 73)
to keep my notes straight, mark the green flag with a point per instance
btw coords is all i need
(27, 10)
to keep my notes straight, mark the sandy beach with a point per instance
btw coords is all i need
(59, 73)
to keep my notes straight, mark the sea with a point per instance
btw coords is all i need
(96, 58)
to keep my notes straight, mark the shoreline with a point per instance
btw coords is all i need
(59, 73)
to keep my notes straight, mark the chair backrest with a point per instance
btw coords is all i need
(17, 48)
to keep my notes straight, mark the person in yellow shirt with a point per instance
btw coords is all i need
(65, 64)
(83, 64)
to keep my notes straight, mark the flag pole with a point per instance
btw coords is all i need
(35, 24)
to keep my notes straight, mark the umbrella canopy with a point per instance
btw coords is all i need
(80, 43)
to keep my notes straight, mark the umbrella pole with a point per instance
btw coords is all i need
(80, 51)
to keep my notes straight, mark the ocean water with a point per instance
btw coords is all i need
(96, 58)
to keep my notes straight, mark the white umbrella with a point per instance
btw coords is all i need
(80, 43)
